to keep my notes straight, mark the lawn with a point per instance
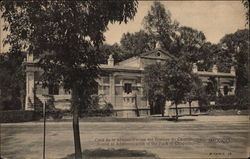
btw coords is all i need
(191, 136)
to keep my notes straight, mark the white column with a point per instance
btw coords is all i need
(30, 84)
(112, 89)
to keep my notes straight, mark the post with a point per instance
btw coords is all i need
(176, 112)
(137, 109)
(190, 109)
(44, 128)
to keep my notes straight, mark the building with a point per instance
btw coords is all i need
(121, 84)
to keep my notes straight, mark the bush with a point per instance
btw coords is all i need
(11, 104)
(13, 116)
(227, 100)
(231, 102)
(51, 111)
(95, 109)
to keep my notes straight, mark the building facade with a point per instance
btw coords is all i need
(121, 84)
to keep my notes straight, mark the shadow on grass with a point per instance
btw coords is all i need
(114, 153)
(179, 120)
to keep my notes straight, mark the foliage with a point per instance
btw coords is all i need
(171, 81)
(178, 80)
(115, 50)
(188, 43)
(179, 41)
(154, 86)
(234, 52)
(12, 80)
(136, 43)
(65, 35)
(160, 26)
(15, 116)
(246, 5)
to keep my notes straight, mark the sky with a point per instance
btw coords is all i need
(213, 18)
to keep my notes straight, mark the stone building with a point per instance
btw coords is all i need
(121, 84)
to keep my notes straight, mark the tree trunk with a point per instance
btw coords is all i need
(176, 112)
(136, 106)
(76, 131)
(163, 109)
(190, 110)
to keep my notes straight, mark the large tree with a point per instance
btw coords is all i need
(154, 87)
(160, 26)
(178, 40)
(12, 81)
(65, 35)
(178, 80)
(246, 5)
(234, 51)
(171, 80)
(136, 43)
(188, 43)
(115, 50)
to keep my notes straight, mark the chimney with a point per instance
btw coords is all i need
(158, 45)
(111, 60)
(215, 69)
(232, 71)
(195, 68)
(30, 57)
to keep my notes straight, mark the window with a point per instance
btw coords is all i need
(106, 79)
(127, 88)
(226, 90)
(53, 89)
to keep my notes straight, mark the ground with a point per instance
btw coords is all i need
(190, 137)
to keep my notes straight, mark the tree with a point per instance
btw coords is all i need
(12, 81)
(65, 36)
(246, 5)
(136, 43)
(114, 50)
(178, 81)
(179, 41)
(160, 26)
(154, 87)
(189, 43)
(171, 80)
(234, 52)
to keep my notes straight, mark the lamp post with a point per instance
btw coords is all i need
(44, 128)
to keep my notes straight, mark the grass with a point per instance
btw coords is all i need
(228, 112)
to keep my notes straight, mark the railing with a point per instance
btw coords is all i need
(129, 100)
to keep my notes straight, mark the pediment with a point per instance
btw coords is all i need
(157, 54)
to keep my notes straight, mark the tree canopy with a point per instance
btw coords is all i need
(154, 87)
(136, 43)
(234, 52)
(65, 36)
(12, 81)
(160, 26)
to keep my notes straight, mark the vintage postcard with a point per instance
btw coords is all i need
(124, 79)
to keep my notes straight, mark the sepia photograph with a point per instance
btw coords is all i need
(128, 79)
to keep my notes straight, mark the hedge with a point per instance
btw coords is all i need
(13, 116)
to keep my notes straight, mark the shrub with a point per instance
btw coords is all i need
(231, 102)
(51, 111)
(11, 104)
(95, 109)
(11, 116)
